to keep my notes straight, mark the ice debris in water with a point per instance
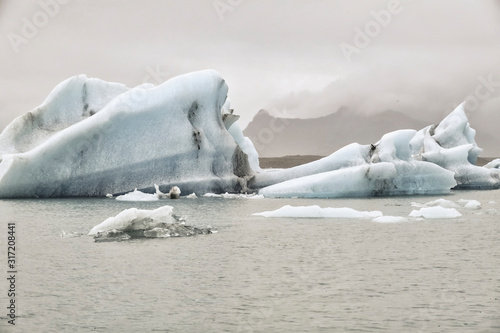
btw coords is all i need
(318, 212)
(233, 196)
(470, 204)
(135, 223)
(436, 212)
(390, 219)
(439, 202)
(137, 196)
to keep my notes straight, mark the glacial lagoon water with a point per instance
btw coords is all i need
(256, 274)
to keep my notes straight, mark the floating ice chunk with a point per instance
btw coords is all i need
(318, 212)
(137, 196)
(470, 204)
(109, 195)
(439, 202)
(136, 219)
(135, 223)
(212, 195)
(390, 219)
(495, 164)
(191, 196)
(437, 212)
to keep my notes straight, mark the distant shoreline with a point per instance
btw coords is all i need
(284, 162)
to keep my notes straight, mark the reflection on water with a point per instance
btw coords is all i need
(258, 274)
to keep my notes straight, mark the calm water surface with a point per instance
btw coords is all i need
(257, 274)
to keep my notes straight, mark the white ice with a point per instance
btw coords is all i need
(136, 219)
(436, 212)
(318, 212)
(385, 169)
(430, 161)
(470, 204)
(390, 219)
(439, 202)
(137, 196)
(495, 164)
(91, 138)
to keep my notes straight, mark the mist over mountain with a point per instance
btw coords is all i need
(280, 136)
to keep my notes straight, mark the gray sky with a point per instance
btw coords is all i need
(282, 55)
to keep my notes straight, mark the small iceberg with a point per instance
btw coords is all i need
(318, 212)
(135, 223)
(470, 204)
(137, 196)
(436, 212)
(390, 219)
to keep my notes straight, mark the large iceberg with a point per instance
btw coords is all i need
(95, 138)
(90, 138)
(385, 168)
(430, 161)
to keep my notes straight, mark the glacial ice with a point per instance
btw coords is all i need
(90, 138)
(470, 204)
(137, 196)
(95, 138)
(451, 145)
(135, 223)
(430, 161)
(436, 212)
(389, 219)
(495, 164)
(387, 168)
(318, 212)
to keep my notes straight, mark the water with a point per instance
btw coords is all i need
(257, 274)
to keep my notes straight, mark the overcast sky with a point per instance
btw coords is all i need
(300, 58)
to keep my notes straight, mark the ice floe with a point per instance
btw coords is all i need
(137, 196)
(135, 223)
(436, 212)
(389, 219)
(318, 212)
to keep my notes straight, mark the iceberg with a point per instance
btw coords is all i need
(385, 168)
(137, 196)
(91, 138)
(134, 223)
(318, 212)
(389, 219)
(452, 146)
(436, 212)
(433, 160)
